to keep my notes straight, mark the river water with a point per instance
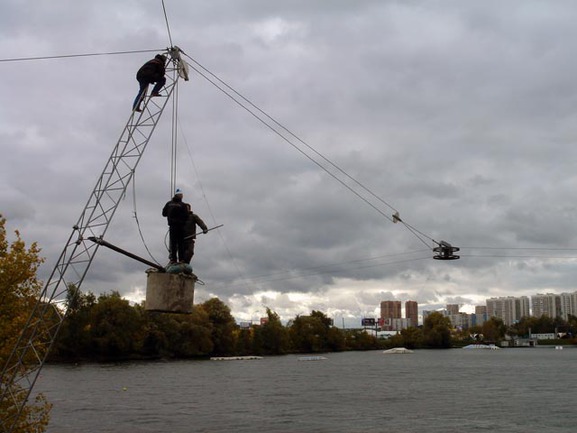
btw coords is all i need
(509, 390)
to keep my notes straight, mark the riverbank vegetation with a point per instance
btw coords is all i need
(19, 290)
(107, 327)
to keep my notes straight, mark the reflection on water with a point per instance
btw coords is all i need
(510, 390)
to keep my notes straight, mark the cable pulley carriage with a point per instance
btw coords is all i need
(445, 251)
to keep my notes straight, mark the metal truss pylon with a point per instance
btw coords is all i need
(23, 366)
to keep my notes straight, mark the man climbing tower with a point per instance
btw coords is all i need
(151, 72)
(176, 213)
(190, 233)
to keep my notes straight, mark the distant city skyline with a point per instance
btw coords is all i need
(510, 309)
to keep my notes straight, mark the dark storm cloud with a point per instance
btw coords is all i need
(458, 114)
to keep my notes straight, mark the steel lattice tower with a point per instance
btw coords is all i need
(29, 354)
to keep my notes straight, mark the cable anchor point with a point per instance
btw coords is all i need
(181, 65)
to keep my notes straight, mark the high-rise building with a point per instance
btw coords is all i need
(480, 309)
(568, 305)
(480, 316)
(399, 324)
(390, 310)
(412, 313)
(461, 320)
(452, 309)
(546, 305)
(521, 308)
(509, 309)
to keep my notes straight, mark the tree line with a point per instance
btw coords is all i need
(107, 327)
(437, 332)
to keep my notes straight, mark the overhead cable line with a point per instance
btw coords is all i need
(135, 216)
(223, 88)
(517, 252)
(285, 275)
(349, 262)
(284, 128)
(67, 56)
(204, 196)
(514, 256)
(265, 279)
(167, 25)
(174, 143)
(417, 233)
(522, 248)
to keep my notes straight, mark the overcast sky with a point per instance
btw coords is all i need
(458, 114)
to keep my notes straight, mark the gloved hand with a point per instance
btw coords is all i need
(205, 231)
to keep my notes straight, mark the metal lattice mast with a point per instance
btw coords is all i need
(27, 358)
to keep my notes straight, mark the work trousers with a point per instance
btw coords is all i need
(189, 250)
(143, 87)
(177, 244)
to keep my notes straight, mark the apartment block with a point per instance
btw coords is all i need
(509, 309)
(452, 309)
(390, 310)
(568, 305)
(412, 313)
(461, 320)
(480, 315)
(548, 304)
(399, 324)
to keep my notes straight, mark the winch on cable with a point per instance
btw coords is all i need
(445, 251)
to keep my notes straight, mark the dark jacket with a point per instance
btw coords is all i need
(151, 71)
(176, 212)
(190, 226)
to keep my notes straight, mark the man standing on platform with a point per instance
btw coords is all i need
(190, 232)
(176, 213)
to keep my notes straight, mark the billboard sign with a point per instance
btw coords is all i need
(368, 322)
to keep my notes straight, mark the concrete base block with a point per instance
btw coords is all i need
(170, 293)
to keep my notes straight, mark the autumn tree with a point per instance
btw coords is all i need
(315, 333)
(271, 338)
(437, 331)
(116, 327)
(223, 326)
(19, 292)
(411, 338)
(305, 333)
(572, 325)
(493, 330)
(247, 343)
(73, 340)
(186, 335)
(357, 339)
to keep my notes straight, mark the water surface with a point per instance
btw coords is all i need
(509, 390)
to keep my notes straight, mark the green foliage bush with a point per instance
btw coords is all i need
(108, 328)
